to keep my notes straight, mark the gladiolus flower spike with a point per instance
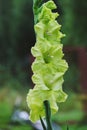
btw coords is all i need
(49, 65)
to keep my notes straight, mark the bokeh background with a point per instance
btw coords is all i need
(16, 39)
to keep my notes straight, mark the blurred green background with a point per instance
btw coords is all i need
(16, 39)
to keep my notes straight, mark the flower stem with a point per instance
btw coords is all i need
(36, 9)
(48, 115)
(43, 125)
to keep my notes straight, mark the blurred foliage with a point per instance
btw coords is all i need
(71, 110)
(19, 127)
(16, 27)
(16, 38)
(8, 99)
(16, 78)
(74, 21)
(71, 77)
(74, 127)
(25, 127)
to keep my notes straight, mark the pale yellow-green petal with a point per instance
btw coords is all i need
(35, 99)
(49, 66)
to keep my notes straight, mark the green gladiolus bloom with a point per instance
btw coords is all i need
(49, 65)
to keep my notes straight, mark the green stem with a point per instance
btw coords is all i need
(67, 128)
(48, 115)
(36, 9)
(43, 125)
